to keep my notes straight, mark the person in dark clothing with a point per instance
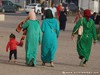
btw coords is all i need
(93, 16)
(63, 19)
(42, 13)
(97, 21)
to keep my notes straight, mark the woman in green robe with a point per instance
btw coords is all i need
(84, 41)
(50, 29)
(33, 38)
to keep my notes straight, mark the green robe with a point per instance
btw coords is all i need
(50, 29)
(84, 42)
(33, 38)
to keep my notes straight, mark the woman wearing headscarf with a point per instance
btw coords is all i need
(59, 9)
(33, 38)
(50, 29)
(84, 41)
(63, 19)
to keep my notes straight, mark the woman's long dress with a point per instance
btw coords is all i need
(50, 29)
(84, 42)
(33, 38)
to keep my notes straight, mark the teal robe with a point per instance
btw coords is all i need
(33, 38)
(50, 29)
(84, 42)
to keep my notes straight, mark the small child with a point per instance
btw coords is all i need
(12, 45)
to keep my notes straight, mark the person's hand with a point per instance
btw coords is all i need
(21, 43)
(72, 36)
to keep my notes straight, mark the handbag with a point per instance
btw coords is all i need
(79, 31)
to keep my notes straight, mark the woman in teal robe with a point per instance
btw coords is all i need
(84, 41)
(33, 38)
(50, 29)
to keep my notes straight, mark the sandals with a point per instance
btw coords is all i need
(43, 63)
(82, 63)
(51, 64)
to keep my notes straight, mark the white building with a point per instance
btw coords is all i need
(93, 5)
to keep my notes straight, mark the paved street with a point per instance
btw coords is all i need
(66, 59)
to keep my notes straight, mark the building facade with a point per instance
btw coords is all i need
(93, 5)
(23, 3)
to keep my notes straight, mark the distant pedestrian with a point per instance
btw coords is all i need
(97, 23)
(50, 29)
(59, 9)
(97, 20)
(63, 19)
(53, 9)
(12, 45)
(93, 16)
(67, 8)
(84, 41)
(42, 13)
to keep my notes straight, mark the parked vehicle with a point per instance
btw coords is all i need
(71, 6)
(7, 6)
(17, 6)
(35, 6)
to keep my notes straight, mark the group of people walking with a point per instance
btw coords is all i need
(47, 35)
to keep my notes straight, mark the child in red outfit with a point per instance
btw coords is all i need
(12, 45)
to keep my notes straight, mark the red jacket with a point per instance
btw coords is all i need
(12, 44)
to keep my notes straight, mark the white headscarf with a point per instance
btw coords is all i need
(32, 15)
